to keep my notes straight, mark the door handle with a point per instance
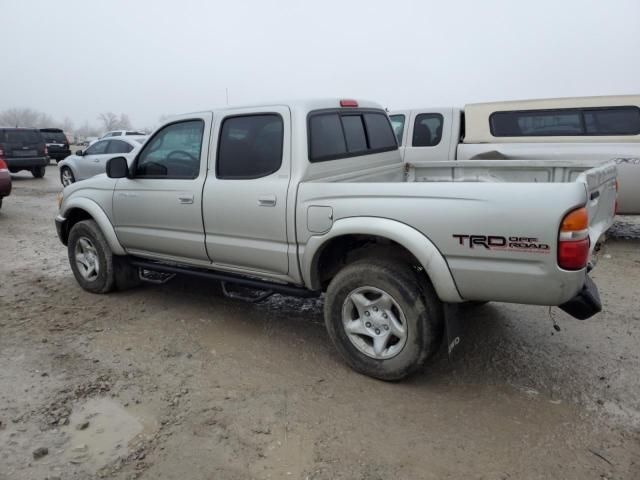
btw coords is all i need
(267, 201)
(185, 199)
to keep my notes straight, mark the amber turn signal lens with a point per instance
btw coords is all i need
(575, 221)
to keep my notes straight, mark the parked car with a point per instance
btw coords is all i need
(596, 128)
(5, 180)
(119, 133)
(24, 149)
(123, 133)
(309, 197)
(92, 161)
(57, 143)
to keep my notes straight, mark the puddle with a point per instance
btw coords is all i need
(111, 428)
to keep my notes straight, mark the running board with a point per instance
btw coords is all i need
(225, 277)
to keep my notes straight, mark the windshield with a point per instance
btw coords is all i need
(53, 137)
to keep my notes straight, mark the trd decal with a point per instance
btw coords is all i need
(497, 242)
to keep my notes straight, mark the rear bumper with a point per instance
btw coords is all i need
(59, 154)
(16, 163)
(586, 303)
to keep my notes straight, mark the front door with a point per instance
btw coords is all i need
(158, 209)
(245, 197)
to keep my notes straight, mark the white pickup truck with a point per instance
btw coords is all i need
(592, 129)
(312, 197)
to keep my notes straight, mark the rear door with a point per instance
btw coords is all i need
(158, 209)
(23, 143)
(245, 196)
(428, 136)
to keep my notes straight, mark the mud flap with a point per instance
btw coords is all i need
(453, 327)
(586, 303)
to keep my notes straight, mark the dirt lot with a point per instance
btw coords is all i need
(177, 381)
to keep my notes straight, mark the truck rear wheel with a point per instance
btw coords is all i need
(91, 258)
(380, 319)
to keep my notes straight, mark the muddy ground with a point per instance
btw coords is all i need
(179, 382)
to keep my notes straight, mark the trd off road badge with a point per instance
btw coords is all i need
(498, 242)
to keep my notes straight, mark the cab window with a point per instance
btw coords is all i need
(173, 152)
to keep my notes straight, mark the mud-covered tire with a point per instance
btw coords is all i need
(410, 291)
(38, 172)
(85, 238)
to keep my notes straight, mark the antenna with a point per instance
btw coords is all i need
(226, 91)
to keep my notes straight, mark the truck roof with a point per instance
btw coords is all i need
(299, 105)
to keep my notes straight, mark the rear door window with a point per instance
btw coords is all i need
(118, 146)
(250, 146)
(427, 130)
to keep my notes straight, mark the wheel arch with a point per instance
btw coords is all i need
(78, 209)
(375, 236)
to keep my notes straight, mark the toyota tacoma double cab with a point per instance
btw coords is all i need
(312, 198)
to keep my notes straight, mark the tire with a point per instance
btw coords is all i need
(95, 272)
(409, 299)
(66, 176)
(38, 172)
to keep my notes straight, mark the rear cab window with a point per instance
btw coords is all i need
(336, 134)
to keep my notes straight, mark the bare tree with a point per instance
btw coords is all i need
(109, 121)
(124, 123)
(20, 117)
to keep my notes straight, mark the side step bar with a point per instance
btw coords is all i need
(225, 277)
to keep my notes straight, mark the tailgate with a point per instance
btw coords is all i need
(600, 182)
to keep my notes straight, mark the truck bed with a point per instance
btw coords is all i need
(486, 198)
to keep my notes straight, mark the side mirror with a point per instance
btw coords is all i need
(117, 167)
(80, 153)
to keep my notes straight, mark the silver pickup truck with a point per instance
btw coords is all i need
(312, 197)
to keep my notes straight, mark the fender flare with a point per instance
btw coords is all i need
(93, 209)
(414, 241)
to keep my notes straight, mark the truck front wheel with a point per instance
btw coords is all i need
(91, 258)
(382, 318)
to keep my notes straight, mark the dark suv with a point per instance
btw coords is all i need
(57, 143)
(24, 149)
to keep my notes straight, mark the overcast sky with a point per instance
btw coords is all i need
(80, 58)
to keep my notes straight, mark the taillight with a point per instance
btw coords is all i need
(3, 164)
(348, 103)
(573, 240)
